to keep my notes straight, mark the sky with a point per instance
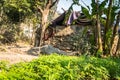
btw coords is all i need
(65, 4)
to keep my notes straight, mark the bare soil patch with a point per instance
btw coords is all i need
(16, 53)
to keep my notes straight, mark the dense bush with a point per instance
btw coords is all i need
(83, 41)
(10, 33)
(55, 67)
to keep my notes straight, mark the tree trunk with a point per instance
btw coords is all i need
(105, 46)
(41, 30)
(44, 10)
(44, 25)
(99, 39)
(37, 37)
(115, 37)
(118, 47)
(114, 45)
(95, 33)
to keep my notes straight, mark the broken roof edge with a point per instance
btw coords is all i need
(72, 18)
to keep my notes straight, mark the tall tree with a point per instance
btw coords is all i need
(99, 38)
(44, 9)
(115, 37)
(97, 12)
(107, 26)
(110, 44)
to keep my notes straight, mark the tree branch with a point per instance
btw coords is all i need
(54, 3)
(40, 9)
(50, 4)
(63, 9)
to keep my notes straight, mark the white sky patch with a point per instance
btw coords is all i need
(65, 4)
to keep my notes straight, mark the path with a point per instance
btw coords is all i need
(16, 53)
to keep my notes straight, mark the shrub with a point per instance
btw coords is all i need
(10, 34)
(55, 67)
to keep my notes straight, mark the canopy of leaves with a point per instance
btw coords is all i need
(17, 10)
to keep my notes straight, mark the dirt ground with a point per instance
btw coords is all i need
(18, 52)
(15, 53)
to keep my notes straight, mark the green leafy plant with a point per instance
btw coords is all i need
(55, 67)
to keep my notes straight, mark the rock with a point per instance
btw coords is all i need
(46, 49)
(33, 51)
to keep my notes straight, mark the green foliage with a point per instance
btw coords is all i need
(93, 5)
(55, 67)
(101, 7)
(3, 65)
(114, 13)
(75, 2)
(11, 34)
(17, 10)
(86, 12)
(83, 42)
(108, 40)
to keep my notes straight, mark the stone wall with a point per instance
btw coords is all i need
(63, 37)
(64, 31)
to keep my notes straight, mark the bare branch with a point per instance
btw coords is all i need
(40, 9)
(48, 4)
(63, 9)
(56, 1)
